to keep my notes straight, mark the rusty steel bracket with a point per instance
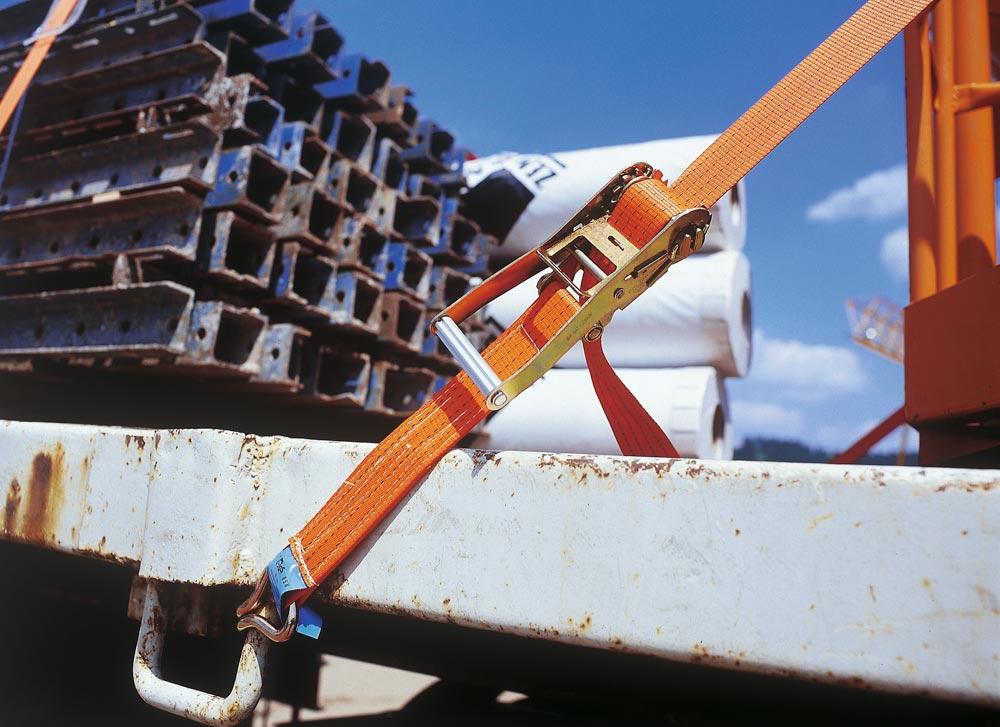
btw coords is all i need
(363, 247)
(352, 187)
(459, 236)
(235, 251)
(308, 52)
(311, 290)
(446, 287)
(251, 182)
(397, 119)
(223, 340)
(418, 219)
(479, 265)
(301, 101)
(362, 85)
(397, 390)
(185, 155)
(164, 222)
(139, 321)
(335, 377)
(302, 153)
(241, 57)
(389, 166)
(358, 303)
(407, 270)
(429, 146)
(259, 21)
(117, 40)
(350, 137)
(281, 363)
(403, 322)
(312, 218)
(304, 283)
(247, 116)
(137, 95)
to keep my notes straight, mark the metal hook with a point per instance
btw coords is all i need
(250, 616)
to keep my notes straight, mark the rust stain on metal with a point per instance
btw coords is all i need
(11, 506)
(44, 495)
(971, 487)
(817, 520)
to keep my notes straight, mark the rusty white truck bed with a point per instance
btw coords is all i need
(878, 576)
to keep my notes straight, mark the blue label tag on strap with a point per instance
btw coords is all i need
(283, 573)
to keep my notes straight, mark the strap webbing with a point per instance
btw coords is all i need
(396, 465)
(779, 112)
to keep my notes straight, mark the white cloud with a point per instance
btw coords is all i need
(895, 253)
(878, 196)
(803, 371)
(766, 419)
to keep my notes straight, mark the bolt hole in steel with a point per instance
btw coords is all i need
(75, 186)
(203, 162)
(341, 295)
(157, 171)
(172, 324)
(114, 179)
(184, 229)
(201, 333)
(275, 353)
(233, 176)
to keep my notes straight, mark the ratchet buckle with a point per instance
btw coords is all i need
(595, 262)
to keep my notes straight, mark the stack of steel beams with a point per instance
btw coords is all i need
(219, 191)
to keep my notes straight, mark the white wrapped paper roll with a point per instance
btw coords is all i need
(698, 314)
(538, 193)
(561, 413)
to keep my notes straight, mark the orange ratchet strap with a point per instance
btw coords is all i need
(45, 37)
(618, 245)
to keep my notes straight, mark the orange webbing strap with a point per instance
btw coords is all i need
(402, 459)
(637, 433)
(12, 96)
(390, 470)
(779, 112)
(396, 465)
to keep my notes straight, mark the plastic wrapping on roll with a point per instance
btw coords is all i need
(561, 413)
(698, 314)
(523, 199)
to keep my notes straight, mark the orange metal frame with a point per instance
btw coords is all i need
(952, 222)
(952, 352)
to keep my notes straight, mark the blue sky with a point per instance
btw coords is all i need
(550, 76)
